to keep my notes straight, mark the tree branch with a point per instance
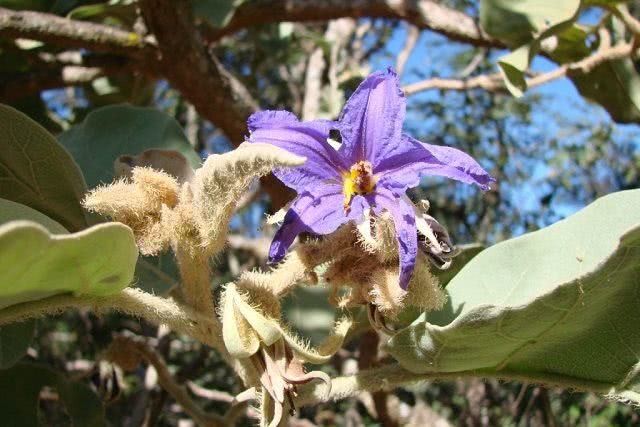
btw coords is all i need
(186, 63)
(157, 310)
(424, 14)
(494, 82)
(409, 44)
(68, 33)
(168, 382)
(57, 75)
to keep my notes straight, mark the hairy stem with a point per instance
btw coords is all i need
(196, 281)
(157, 310)
(135, 302)
(393, 375)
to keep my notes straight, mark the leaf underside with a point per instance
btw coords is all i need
(35, 264)
(558, 306)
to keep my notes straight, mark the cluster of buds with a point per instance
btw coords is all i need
(252, 330)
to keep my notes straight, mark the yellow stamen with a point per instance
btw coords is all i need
(359, 180)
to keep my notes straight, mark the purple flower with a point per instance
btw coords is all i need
(373, 167)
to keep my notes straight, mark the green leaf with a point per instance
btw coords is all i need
(116, 12)
(519, 22)
(560, 305)
(11, 211)
(14, 342)
(467, 253)
(35, 264)
(512, 66)
(216, 12)
(19, 407)
(615, 85)
(112, 131)
(36, 171)
(524, 24)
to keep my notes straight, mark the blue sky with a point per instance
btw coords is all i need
(562, 105)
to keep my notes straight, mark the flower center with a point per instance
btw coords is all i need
(359, 180)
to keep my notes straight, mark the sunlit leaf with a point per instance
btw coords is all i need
(35, 264)
(558, 305)
(513, 66)
(523, 25)
(36, 171)
(519, 22)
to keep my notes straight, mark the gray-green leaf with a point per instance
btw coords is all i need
(36, 171)
(11, 211)
(560, 305)
(110, 132)
(35, 264)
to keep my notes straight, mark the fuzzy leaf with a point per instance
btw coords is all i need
(467, 253)
(20, 406)
(224, 178)
(113, 131)
(35, 264)
(560, 306)
(36, 171)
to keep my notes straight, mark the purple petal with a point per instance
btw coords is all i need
(414, 159)
(371, 121)
(308, 139)
(320, 213)
(270, 118)
(404, 220)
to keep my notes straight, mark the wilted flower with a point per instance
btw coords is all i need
(372, 169)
